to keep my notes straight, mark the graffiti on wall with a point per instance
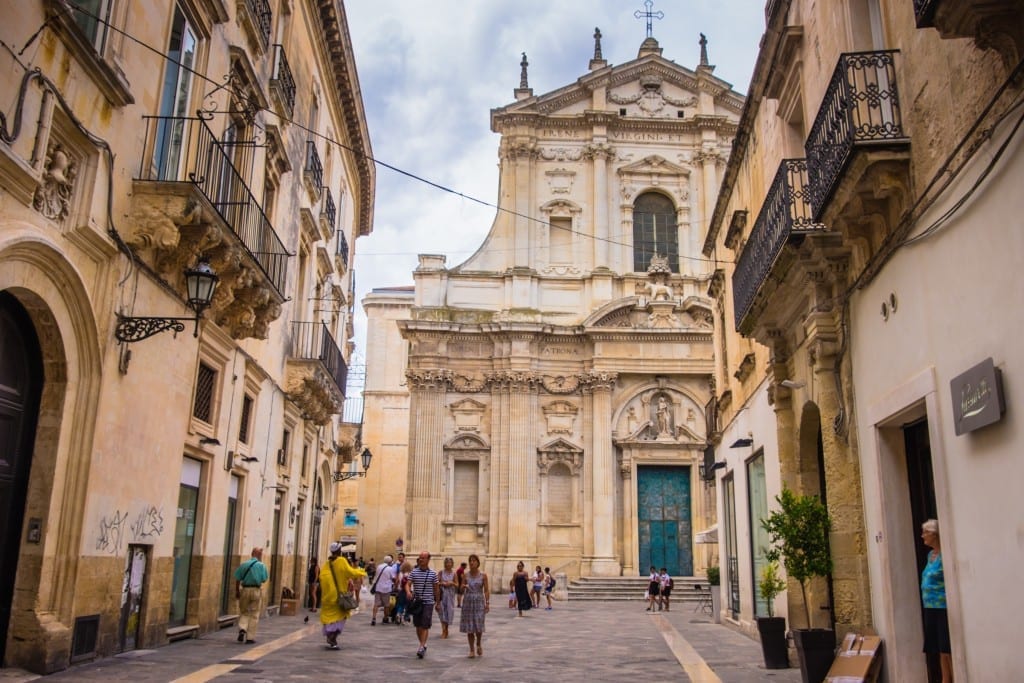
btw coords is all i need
(145, 527)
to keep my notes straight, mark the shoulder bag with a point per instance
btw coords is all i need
(346, 601)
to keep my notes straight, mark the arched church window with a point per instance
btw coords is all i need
(654, 231)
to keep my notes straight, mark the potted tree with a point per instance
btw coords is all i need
(798, 531)
(771, 628)
(714, 583)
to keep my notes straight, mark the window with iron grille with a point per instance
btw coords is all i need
(206, 380)
(282, 455)
(654, 231)
(243, 428)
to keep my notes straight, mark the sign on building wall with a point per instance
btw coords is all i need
(977, 396)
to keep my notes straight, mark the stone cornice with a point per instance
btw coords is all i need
(439, 379)
(346, 83)
(587, 121)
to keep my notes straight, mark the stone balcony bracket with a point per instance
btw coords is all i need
(174, 225)
(313, 390)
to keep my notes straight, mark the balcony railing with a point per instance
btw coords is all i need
(184, 149)
(329, 212)
(282, 78)
(313, 341)
(924, 12)
(262, 15)
(785, 212)
(313, 170)
(861, 108)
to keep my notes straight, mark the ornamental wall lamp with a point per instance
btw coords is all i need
(366, 457)
(200, 283)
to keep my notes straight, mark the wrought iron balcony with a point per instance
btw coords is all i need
(282, 80)
(313, 170)
(329, 212)
(786, 212)
(185, 150)
(314, 341)
(343, 249)
(258, 16)
(861, 109)
(924, 11)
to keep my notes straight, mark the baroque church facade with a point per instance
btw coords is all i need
(556, 382)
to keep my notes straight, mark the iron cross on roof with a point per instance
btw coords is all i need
(640, 14)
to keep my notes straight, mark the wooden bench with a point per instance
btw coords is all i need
(181, 632)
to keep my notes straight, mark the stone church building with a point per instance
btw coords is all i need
(556, 382)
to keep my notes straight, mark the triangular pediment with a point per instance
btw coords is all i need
(560, 446)
(654, 165)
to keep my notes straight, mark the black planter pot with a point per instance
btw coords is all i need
(773, 642)
(816, 648)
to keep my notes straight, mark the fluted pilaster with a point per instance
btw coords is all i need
(426, 460)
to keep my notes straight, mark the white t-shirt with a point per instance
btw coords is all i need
(387, 578)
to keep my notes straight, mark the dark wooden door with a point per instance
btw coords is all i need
(21, 380)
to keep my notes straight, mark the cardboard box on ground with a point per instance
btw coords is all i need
(859, 660)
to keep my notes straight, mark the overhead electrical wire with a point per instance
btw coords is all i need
(378, 162)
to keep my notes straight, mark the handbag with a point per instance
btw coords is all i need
(415, 607)
(346, 601)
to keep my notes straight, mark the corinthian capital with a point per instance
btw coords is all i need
(599, 381)
(428, 380)
(514, 380)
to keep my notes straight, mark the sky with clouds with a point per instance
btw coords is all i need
(430, 72)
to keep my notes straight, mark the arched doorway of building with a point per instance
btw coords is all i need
(814, 482)
(21, 382)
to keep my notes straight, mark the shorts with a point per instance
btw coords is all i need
(425, 619)
(382, 600)
(537, 587)
(653, 589)
(666, 592)
(936, 631)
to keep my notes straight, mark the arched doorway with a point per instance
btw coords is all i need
(21, 382)
(814, 482)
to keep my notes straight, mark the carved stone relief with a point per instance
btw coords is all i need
(560, 417)
(467, 414)
(652, 100)
(560, 180)
(560, 451)
(53, 197)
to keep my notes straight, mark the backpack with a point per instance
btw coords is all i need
(668, 582)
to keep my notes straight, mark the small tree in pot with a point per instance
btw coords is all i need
(798, 531)
(772, 629)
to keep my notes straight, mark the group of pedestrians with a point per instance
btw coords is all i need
(525, 589)
(401, 592)
(659, 590)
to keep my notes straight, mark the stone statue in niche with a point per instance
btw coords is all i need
(662, 418)
(53, 197)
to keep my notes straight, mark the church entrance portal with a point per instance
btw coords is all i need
(664, 519)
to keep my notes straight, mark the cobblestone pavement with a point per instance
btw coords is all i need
(581, 641)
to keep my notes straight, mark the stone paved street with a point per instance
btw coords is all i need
(574, 642)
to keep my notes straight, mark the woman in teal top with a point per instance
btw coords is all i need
(933, 597)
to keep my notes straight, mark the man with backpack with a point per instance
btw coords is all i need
(381, 588)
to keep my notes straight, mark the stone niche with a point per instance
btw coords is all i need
(173, 226)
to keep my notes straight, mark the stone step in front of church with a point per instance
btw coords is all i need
(685, 588)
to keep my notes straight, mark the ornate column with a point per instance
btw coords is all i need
(602, 562)
(425, 498)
